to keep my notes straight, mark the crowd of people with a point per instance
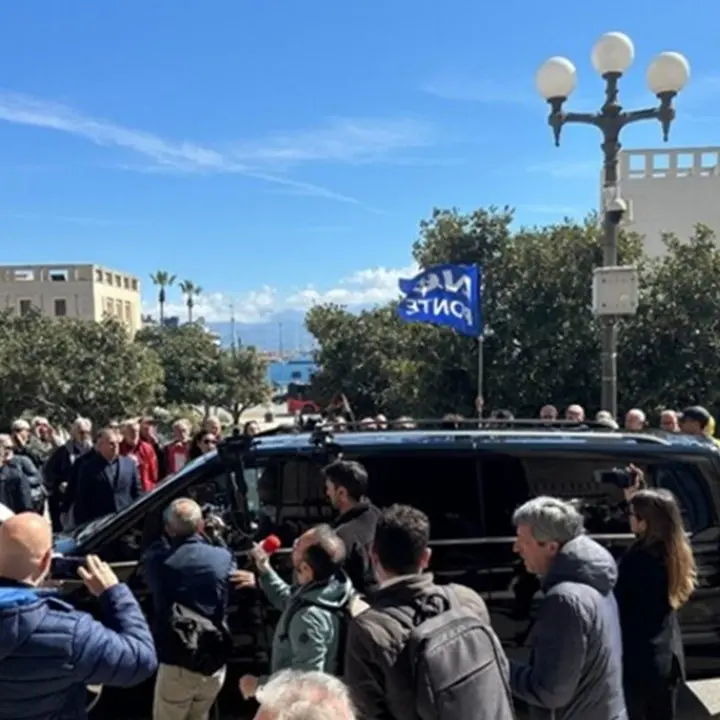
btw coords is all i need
(694, 420)
(79, 476)
(364, 630)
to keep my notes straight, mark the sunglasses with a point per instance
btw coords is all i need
(208, 441)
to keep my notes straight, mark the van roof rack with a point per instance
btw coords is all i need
(408, 423)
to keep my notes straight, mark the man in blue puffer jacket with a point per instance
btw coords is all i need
(49, 652)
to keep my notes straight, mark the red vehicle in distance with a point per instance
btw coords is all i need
(299, 399)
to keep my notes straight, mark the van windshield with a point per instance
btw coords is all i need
(86, 530)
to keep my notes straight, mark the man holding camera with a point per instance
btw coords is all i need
(189, 579)
(50, 651)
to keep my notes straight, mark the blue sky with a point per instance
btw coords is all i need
(282, 152)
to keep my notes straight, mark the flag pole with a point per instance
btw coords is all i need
(480, 373)
(481, 346)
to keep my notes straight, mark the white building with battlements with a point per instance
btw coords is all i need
(670, 190)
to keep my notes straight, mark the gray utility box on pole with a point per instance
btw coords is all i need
(615, 291)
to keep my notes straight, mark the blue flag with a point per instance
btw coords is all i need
(448, 295)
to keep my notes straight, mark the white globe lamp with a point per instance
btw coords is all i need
(669, 72)
(556, 78)
(613, 53)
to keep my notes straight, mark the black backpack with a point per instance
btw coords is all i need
(458, 666)
(194, 641)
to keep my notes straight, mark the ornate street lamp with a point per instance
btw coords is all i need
(667, 74)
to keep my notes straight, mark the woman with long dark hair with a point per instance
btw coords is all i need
(656, 578)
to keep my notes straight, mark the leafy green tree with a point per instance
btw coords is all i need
(669, 352)
(188, 355)
(63, 368)
(542, 344)
(162, 280)
(241, 381)
(117, 378)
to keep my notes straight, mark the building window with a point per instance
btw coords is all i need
(109, 306)
(60, 307)
(98, 276)
(126, 283)
(118, 308)
(128, 311)
(118, 281)
(24, 306)
(58, 275)
(108, 278)
(134, 284)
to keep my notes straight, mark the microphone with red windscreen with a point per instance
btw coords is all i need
(271, 544)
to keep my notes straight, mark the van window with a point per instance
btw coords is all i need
(508, 481)
(445, 487)
(686, 483)
(505, 488)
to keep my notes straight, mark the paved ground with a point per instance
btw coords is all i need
(701, 700)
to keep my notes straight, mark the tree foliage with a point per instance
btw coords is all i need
(241, 381)
(543, 341)
(65, 368)
(188, 355)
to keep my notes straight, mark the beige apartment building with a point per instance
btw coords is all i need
(79, 291)
(669, 191)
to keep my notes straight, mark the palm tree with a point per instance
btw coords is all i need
(163, 280)
(190, 290)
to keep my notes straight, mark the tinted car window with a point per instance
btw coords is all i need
(445, 487)
(686, 483)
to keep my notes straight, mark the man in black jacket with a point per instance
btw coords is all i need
(346, 484)
(103, 482)
(59, 467)
(15, 490)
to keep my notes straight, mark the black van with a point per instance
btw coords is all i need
(468, 481)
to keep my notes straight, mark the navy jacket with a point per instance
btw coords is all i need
(191, 572)
(101, 488)
(575, 669)
(49, 651)
(15, 491)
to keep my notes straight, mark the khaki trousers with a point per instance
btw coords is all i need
(184, 695)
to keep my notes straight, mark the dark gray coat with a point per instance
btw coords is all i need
(575, 667)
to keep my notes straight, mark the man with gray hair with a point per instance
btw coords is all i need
(189, 580)
(59, 467)
(293, 695)
(575, 666)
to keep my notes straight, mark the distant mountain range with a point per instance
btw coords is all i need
(284, 332)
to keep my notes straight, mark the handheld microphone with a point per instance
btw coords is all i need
(271, 544)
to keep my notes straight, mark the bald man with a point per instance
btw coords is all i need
(575, 413)
(50, 651)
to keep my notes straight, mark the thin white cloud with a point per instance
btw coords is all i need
(363, 288)
(474, 89)
(342, 141)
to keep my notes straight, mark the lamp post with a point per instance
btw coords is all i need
(612, 55)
